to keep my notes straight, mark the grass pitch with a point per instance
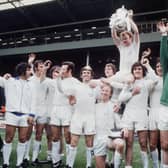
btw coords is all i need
(80, 158)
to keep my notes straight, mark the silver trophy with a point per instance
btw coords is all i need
(120, 20)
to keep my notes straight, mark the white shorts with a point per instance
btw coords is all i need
(153, 119)
(82, 124)
(61, 116)
(15, 120)
(100, 146)
(42, 120)
(135, 125)
(163, 118)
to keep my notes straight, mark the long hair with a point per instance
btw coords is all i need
(137, 64)
(21, 68)
(113, 67)
(55, 67)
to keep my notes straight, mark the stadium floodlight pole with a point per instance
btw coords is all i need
(87, 58)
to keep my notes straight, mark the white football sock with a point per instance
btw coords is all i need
(49, 157)
(36, 149)
(7, 148)
(67, 153)
(161, 162)
(144, 157)
(55, 152)
(72, 155)
(27, 150)
(21, 147)
(89, 152)
(117, 159)
(155, 159)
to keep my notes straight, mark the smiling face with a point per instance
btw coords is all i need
(86, 75)
(138, 72)
(106, 92)
(126, 38)
(55, 73)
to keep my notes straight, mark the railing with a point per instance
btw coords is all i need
(30, 38)
(75, 31)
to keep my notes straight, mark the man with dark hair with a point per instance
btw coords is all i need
(137, 93)
(41, 106)
(63, 111)
(19, 114)
(70, 66)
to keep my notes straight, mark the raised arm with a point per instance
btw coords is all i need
(135, 30)
(115, 37)
(31, 59)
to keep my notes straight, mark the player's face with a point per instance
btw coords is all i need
(126, 39)
(64, 71)
(105, 93)
(138, 72)
(55, 73)
(108, 71)
(86, 75)
(28, 73)
(158, 69)
(40, 67)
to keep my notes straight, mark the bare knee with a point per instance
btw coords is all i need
(9, 139)
(22, 138)
(164, 145)
(89, 141)
(74, 141)
(152, 146)
(120, 146)
(143, 145)
(38, 136)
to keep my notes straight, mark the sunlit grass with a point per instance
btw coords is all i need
(80, 159)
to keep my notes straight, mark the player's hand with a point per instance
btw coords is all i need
(30, 120)
(32, 57)
(145, 62)
(72, 100)
(92, 84)
(162, 27)
(7, 76)
(125, 132)
(47, 64)
(136, 90)
(103, 80)
(116, 108)
(146, 53)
